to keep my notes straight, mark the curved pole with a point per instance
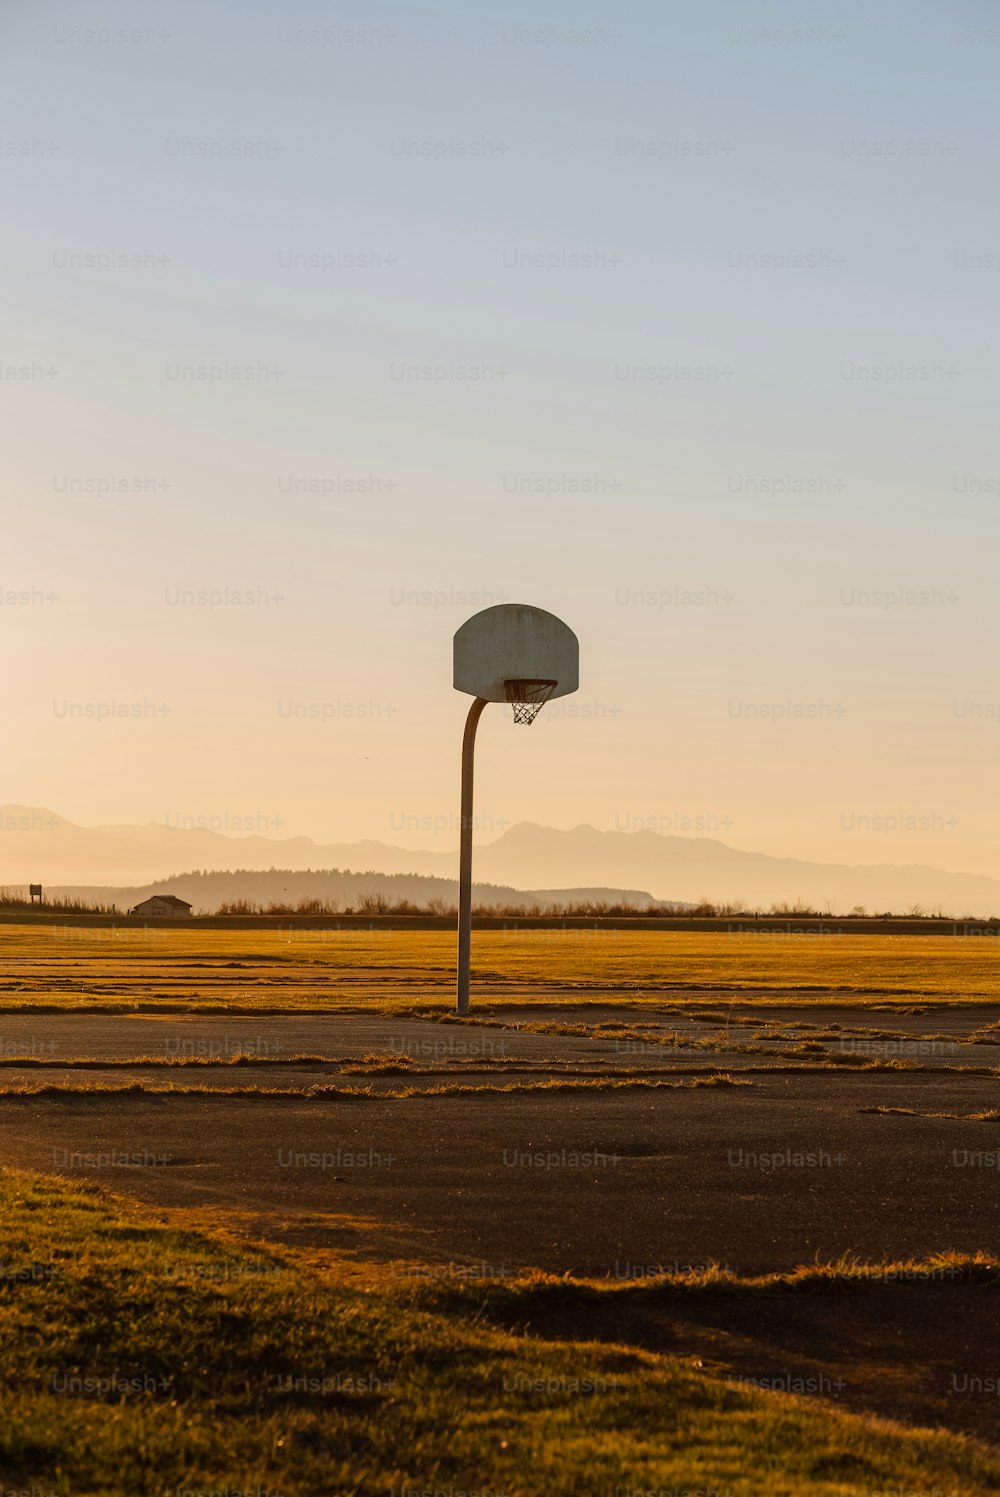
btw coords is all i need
(465, 858)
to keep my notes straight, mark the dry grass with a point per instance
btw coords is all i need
(102, 1091)
(134, 969)
(535, 1290)
(212, 1331)
(990, 1116)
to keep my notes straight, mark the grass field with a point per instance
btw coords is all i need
(138, 1357)
(321, 1343)
(327, 969)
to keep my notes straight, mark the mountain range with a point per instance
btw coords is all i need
(38, 846)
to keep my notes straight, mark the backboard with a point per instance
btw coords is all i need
(513, 641)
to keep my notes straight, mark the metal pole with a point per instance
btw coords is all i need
(465, 858)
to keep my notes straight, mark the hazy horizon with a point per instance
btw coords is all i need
(415, 832)
(38, 847)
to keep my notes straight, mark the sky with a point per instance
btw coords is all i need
(326, 327)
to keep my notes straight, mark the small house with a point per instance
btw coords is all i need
(163, 904)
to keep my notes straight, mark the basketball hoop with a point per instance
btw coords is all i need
(508, 653)
(528, 698)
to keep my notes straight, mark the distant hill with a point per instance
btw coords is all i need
(36, 845)
(340, 889)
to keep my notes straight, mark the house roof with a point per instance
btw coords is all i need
(167, 899)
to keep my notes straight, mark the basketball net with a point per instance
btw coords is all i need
(528, 698)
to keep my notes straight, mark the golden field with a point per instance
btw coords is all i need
(70, 965)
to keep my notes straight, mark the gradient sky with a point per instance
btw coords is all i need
(705, 464)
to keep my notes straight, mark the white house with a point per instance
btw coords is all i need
(163, 904)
